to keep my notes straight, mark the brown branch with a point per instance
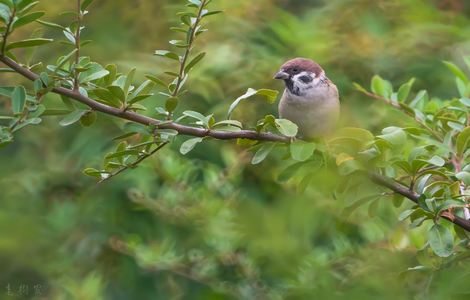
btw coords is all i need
(145, 120)
(217, 134)
(413, 196)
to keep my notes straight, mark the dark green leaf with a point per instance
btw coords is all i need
(441, 240)
(189, 145)
(28, 43)
(194, 61)
(85, 4)
(18, 98)
(73, 117)
(171, 104)
(462, 141)
(262, 153)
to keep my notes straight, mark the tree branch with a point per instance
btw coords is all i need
(141, 119)
(413, 196)
(217, 134)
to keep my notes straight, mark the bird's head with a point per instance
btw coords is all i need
(300, 75)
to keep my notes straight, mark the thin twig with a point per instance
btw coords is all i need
(134, 164)
(8, 30)
(397, 106)
(193, 29)
(77, 46)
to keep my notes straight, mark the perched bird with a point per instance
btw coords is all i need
(310, 99)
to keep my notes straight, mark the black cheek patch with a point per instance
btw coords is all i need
(306, 79)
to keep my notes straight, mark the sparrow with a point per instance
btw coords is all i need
(310, 99)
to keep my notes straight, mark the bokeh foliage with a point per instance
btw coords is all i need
(210, 225)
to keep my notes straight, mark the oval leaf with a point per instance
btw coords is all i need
(441, 240)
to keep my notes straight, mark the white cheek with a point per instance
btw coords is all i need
(299, 84)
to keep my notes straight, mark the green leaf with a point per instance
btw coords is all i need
(381, 87)
(195, 115)
(51, 25)
(129, 79)
(95, 76)
(189, 145)
(301, 151)
(462, 141)
(85, 4)
(18, 98)
(233, 123)
(171, 104)
(465, 101)
(464, 177)
(441, 240)
(448, 204)
(27, 19)
(457, 71)
(88, 119)
(4, 13)
(117, 92)
(107, 96)
(120, 154)
(194, 61)
(270, 96)
(167, 54)
(92, 172)
(73, 117)
(404, 90)
(142, 92)
(156, 80)
(348, 167)
(195, 2)
(211, 13)
(28, 43)
(262, 153)
(179, 43)
(394, 135)
(437, 161)
(286, 127)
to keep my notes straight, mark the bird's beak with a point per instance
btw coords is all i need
(281, 75)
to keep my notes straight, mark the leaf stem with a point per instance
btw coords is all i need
(8, 31)
(134, 164)
(420, 122)
(76, 83)
(185, 57)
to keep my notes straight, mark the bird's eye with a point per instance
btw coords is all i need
(295, 70)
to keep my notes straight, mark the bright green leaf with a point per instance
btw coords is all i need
(301, 151)
(189, 145)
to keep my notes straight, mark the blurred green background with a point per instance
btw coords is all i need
(211, 226)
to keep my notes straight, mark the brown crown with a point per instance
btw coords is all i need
(302, 64)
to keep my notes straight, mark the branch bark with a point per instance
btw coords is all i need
(217, 134)
(145, 120)
(413, 196)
